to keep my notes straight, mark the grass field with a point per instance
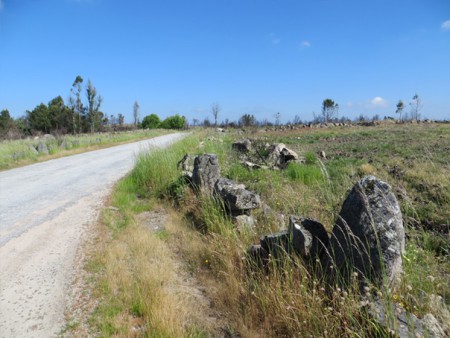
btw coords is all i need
(285, 301)
(15, 153)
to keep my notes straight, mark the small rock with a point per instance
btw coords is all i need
(244, 223)
(235, 196)
(32, 149)
(251, 165)
(440, 310)
(186, 164)
(280, 156)
(309, 237)
(65, 144)
(42, 148)
(288, 155)
(322, 154)
(49, 137)
(408, 324)
(258, 254)
(431, 325)
(243, 146)
(276, 244)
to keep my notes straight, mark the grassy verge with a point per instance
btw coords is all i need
(144, 268)
(17, 153)
(137, 265)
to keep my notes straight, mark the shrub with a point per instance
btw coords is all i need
(174, 122)
(151, 121)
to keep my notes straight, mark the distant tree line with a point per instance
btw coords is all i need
(82, 114)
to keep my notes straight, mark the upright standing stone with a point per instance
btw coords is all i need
(42, 148)
(368, 237)
(206, 173)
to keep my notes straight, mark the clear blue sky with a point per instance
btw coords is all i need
(250, 56)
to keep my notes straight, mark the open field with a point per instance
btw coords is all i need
(136, 285)
(16, 153)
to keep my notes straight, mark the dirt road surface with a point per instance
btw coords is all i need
(44, 210)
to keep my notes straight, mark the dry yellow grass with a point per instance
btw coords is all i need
(150, 277)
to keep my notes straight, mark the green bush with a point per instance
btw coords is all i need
(173, 122)
(151, 121)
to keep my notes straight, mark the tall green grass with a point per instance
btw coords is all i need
(17, 152)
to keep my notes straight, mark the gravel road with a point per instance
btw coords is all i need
(44, 210)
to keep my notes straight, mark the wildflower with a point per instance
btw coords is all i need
(322, 289)
(366, 289)
(345, 293)
(395, 297)
(355, 274)
(409, 287)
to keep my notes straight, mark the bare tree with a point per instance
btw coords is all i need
(277, 118)
(136, 113)
(94, 103)
(297, 119)
(416, 106)
(215, 109)
(400, 106)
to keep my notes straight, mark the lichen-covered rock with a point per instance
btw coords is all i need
(244, 223)
(42, 148)
(368, 237)
(243, 146)
(309, 237)
(276, 244)
(288, 155)
(206, 172)
(405, 324)
(186, 164)
(236, 198)
(32, 149)
(65, 144)
(432, 326)
(280, 156)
